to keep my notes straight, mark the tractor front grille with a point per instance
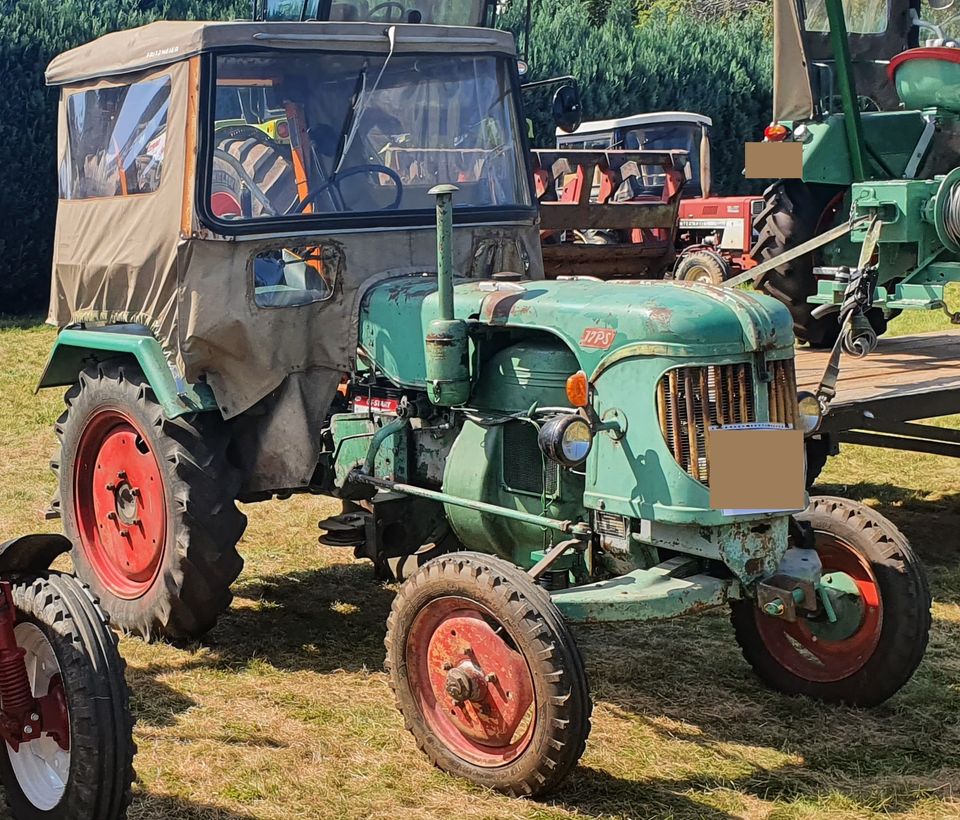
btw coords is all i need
(691, 400)
(783, 394)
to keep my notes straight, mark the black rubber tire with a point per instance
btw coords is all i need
(541, 635)
(204, 525)
(792, 214)
(98, 703)
(818, 451)
(702, 267)
(905, 602)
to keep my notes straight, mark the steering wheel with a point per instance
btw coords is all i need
(388, 7)
(336, 179)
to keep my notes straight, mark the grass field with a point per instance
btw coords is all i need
(285, 712)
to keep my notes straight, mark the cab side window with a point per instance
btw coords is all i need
(116, 140)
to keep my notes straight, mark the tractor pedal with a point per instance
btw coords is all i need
(346, 530)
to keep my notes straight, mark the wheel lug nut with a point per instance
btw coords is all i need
(124, 533)
(111, 487)
(122, 475)
(447, 666)
(111, 516)
(491, 678)
(135, 491)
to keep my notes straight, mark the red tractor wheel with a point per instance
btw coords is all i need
(881, 607)
(149, 503)
(487, 675)
(78, 763)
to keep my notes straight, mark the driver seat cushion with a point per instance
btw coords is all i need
(270, 170)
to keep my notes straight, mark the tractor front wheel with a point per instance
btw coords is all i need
(486, 674)
(878, 633)
(149, 503)
(79, 765)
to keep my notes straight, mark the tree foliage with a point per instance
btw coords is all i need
(32, 32)
(659, 61)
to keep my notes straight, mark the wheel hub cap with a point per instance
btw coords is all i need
(474, 688)
(120, 504)
(816, 649)
(42, 765)
(466, 682)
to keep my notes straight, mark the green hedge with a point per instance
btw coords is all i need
(32, 32)
(667, 61)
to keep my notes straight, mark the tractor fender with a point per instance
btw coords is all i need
(77, 348)
(32, 554)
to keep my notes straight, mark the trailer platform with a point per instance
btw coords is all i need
(881, 397)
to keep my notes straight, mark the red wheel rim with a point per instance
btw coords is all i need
(797, 646)
(474, 689)
(225, 204)
(120, 504)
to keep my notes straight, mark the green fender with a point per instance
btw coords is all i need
(76, 349)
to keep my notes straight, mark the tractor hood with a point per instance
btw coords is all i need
(599, 321)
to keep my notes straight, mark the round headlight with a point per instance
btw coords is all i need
(566, 439)
(809, 412)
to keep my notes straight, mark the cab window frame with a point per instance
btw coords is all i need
(66, 163)
(325, 223)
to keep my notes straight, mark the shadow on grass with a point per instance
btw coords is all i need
(691, 690)
(321, 620)
(685, 680)
(930, 525)
(20, 322)
(153, 702)
(148, 806)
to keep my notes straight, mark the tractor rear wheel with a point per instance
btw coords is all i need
(794, 213)
(149, 503)
(881, 606)
(487, 675)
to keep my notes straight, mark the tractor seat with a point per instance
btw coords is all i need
(927, 77)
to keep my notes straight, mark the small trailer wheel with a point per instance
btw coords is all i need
(708, 267)
(879, 634)
(487, 675)
(80, 766)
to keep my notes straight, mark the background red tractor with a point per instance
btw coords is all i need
(715, 233)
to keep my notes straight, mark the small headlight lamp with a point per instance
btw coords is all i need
(810, 413)
(567, 440)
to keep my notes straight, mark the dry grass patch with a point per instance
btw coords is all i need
(284, 712)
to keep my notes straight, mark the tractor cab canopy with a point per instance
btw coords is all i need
(805, 62)
(234, 188)
(657, 131)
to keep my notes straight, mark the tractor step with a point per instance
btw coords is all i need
(345, 530)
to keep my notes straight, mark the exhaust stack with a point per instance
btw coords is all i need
(446, 343)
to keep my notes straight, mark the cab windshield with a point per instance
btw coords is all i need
(317, 135)
(436, 12)
(667, 137)
(862, 16)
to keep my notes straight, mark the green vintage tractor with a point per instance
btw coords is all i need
(871, 89)
(360, 312)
